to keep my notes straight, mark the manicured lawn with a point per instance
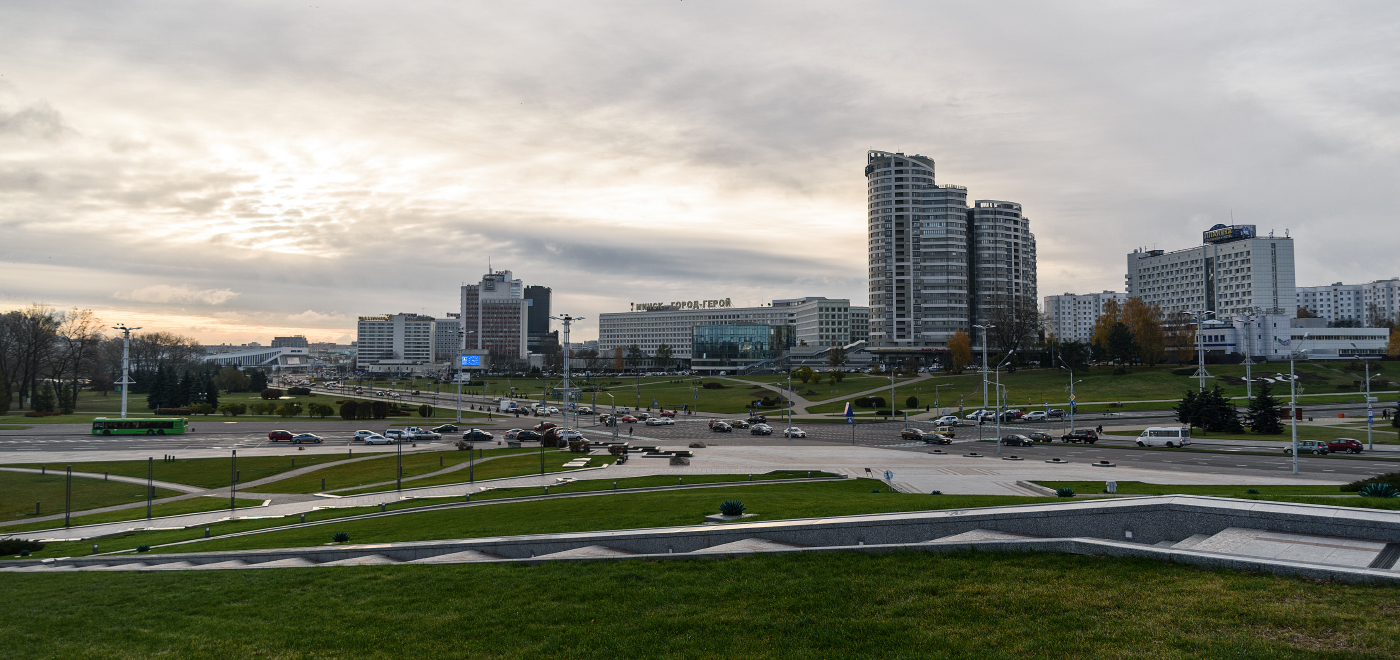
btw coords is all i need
(19, 491)
(819, 605)
(1140, 488)
(201, 472)
(511, 466)
(192, 505)
(375, 470)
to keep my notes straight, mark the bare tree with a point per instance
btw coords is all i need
(79, 335)
(29, 345)
(1017, 320)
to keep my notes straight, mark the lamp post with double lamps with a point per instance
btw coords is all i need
(1293, 390)
(1064, 365)
(1370, 409)
(999, 397)
(1201, 349)
(984, 328)
(126, 363)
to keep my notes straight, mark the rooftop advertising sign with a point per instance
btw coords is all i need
(682, 304)
(1227, 233)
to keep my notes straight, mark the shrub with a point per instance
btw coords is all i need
(617, 450)
(731, 508)
(1392, 478)
(697, 445)
(319, 410)
(1379, 490)
(713, 386)
(299, 391)
(271, 393)
(340, 537)
(1064, 492)
(1252, 491)
(143, 548)
(201, 409)
(578, 446)
(425, 410)
(233, 409)
(15, 546)
(911, 402)
(935, 492)
(40, 413)
(364, 410)
(289, 409)
(1191, 371)
(379, 409)
(173, 411)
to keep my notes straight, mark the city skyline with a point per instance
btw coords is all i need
(240, 172)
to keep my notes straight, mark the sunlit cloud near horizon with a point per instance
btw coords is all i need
(244, 170)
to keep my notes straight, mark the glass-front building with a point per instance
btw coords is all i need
(734, 347)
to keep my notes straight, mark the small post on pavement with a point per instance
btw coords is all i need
(232, 477)
(150, 483)
(68, 497)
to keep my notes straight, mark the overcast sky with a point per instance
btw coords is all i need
(237, 170)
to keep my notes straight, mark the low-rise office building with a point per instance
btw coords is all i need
(1271, 337)
(395, 339)
(735, 347)
(1369, 304)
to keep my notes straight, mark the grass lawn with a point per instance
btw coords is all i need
(1385, 435)
(19, 491)
(375, 470)
(192, 505)
(13, 427)
(819, 605)
(1140, 488)
(513, 466)
(201, 472)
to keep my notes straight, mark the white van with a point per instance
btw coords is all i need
(1165, 436)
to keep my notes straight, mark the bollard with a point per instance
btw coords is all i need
(381, 507)
(614, 485)
(809, 474)
(94, 548)
(41, 470)
(323, 483)
(751, 477)
(680, 480)
(206, 532)
(104, 476)
(546, 490)
(238, 476)
(439, 461)
(303, 517)
(294, 461)
(36, 508)
(469, 497)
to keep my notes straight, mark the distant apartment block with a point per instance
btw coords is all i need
(1071, 316)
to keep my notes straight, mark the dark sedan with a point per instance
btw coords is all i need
(1040, 437)
(477, 435)
(1016, 440)
(1081, 435)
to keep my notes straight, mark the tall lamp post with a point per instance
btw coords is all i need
(984, 328)
(1370, 409)
(566, 319)
(457, 373)
(1249, 352)
(1201, 349)
(936, 400)
(1293, 393)
(126, 363)
(1064, 365)
(999, 396)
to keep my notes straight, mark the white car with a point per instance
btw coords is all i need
(980, 414)
(660, 421)
(585, 410)
(794, 432)
(947, 420)
(361, 435)
(552, 410)
(1037, 416)
(397, 434)
(376, 439)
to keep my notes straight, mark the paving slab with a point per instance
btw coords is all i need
(1308, 548)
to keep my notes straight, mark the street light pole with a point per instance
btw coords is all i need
(1293, 396)
(1201, 349)
(566, 319)
(984, 328)
(999, 397)
(126, 363)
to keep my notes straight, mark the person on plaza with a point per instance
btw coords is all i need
(1099, 430)
(629, 430)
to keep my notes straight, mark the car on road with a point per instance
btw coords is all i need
(306, 439)
(978, 415)
(445, 428)
(661, 421)
(1165, 436)
(761, 429)
(607, 420)
(1017, 440)
(544, 426)
(585, 410)
(738, 423)
(758, 419)
(276, 436)
(424, 435)
(668, 413)
(1308, 447)
(397, 434)
(524, 434)
(552, 410)
(1037, 416)
(477, 435)
(628, 419)
(1057, 413)
(1040, 437)
(1080, 435)
(947, 420)
(1345, 445)
(361, 435)
(912, 434)
(568, 435)
(794, 432)
(376, 439)
(946, 430)
(721, 427)
(642, 417)
(933, 438)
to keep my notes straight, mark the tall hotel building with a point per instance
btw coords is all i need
(938, 265)
(1234, 273)
(495, 317)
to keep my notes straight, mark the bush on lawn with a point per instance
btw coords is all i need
(1379, 490)
(1392, 478)
(731, 508)
(1064, 492)
(143, 548)
(201, 409)
(233, 409)
(271, 393)
(298, 391)
(16, 546)
(425, 410)
(340, 537)
(714, 386)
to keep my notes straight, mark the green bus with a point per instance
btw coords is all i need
(144, 426)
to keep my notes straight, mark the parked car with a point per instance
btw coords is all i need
(361, 435)
(946, 430)
(737, 423)
(794, 432)
(947, 420)
(721, 427)
(978, 415)
(478, 435)
(1345, 445)
(1057, 413)
(761, 429)
(1017, 440)
(445, 428)
(306, 439)
(1308, 447)
(661, 421)
(397, 434)
(568, 435)
(276, 436)
(376, 439)
(1036, 416)
(1040, 437)
(1081, 435)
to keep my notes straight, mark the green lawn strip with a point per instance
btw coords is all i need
(1391, 504)
(13, 427)
(806, 605)
(619, 511)
(131, 540)
(374, 470)
(1141, 488)
(179, 507)
(588, 485)
(1387, 436)
(512, 466)
(19, 491)
(200, 472)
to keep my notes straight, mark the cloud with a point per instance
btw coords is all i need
(165, 293)
(314, 318)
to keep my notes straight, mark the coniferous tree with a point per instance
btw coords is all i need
(158, 392)
(258, 382)
(184, 390)
(44, 399)
(211, 391)
(1263, 414)
(1188, 412)
(1218, 414)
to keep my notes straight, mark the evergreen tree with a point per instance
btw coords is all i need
(1217, 413)
(44, 399)
(258, 382)
(184, 390)
(1121, 347)
(158, 390)
(211, 391)
(1264, 410)
(67, 399)
(1188, 412)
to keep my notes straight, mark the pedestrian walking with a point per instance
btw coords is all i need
(629, 431)
(1099, 430)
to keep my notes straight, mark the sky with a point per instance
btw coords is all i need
(234, 171)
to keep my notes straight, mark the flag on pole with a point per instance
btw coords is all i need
(849, 413)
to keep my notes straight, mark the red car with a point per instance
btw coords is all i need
(1344, 445)
(279, 435)
(668, 413)
(628, 418)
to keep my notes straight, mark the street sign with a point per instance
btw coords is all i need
(1071, 398)
(889, 476)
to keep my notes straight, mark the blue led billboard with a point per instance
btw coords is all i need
(471, 360)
